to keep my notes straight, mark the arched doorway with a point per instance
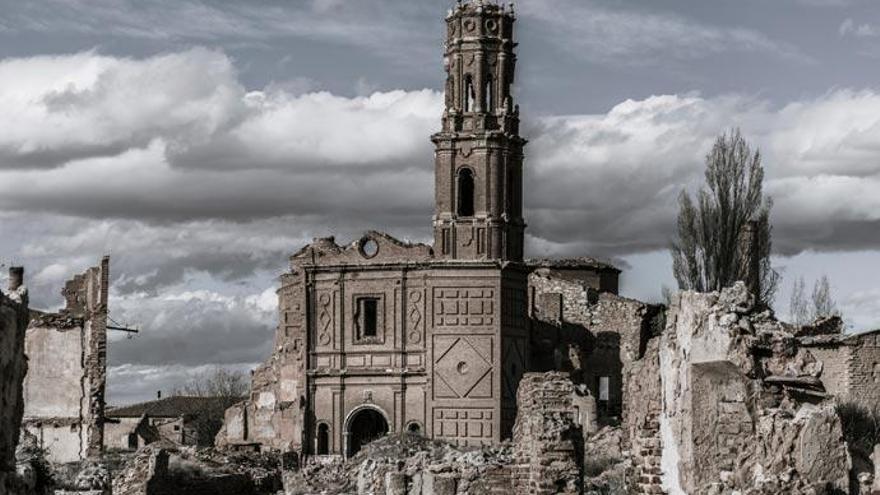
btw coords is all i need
(323, 447)
(364, 426)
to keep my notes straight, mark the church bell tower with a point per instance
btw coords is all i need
(478, 152)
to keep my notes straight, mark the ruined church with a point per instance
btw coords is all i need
(385, 336)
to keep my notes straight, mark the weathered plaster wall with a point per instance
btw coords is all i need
(64, 388)
(13, 322)
(54, 391)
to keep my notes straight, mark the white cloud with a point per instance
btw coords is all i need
(849, 27)
(862, 309)
(205, 148)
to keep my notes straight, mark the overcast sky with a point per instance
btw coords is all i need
(199, 143)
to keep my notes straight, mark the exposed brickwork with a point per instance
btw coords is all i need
(546, 437)
(641, 423)
(863, 365)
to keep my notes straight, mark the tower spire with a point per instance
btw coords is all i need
(478, 152)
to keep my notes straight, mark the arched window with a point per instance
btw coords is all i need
(469, 95)
(465, 193)
(323, 439)
(489, 94)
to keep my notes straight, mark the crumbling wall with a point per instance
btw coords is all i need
(593, 335)
(64, 388)
(742, 408)
(13, 322)
(641, 423)
(273, 414)
(546, 437)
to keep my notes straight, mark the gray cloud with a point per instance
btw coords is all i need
(227, 154)
(194, 328)
(633, 36)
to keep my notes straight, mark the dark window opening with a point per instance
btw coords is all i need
(132, 441)
(465, 193)
(469, 95)
(368, 317)
(176, 427)
(323, 439)
(414, 428)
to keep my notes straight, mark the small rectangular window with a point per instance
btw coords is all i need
(604, 383)
(369, 307)
(368, 320)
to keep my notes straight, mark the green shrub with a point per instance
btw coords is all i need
(861, 426)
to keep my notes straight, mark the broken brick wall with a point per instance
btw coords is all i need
(273, 414)
(13, 322)
(546, 437)
(67, 356)
(592, 335)
(641, 423)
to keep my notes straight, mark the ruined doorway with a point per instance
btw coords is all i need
(365, 426)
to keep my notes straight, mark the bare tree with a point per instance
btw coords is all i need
(823, 304)
(221, 388)
(819, 305)
(218, 382)
(707, 252)
(797, 306)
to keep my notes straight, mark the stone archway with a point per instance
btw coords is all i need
(363, 426)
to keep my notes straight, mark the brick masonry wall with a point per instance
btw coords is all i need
(835, 367)
(546, 437)
(864, 370)
(641, 423)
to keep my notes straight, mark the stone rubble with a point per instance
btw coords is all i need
(744, 409)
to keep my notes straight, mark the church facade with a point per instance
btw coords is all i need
(383, 336)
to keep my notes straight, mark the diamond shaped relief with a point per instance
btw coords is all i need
(461, 367)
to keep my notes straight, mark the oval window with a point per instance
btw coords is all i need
(369, 248)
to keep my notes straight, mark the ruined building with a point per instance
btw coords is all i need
(384, 336)
(13, 365)
(67, 368)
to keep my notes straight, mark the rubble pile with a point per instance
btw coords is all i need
(165, 469)
(743, 406)
(606, 462)
(404, 464)
(545, 456)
